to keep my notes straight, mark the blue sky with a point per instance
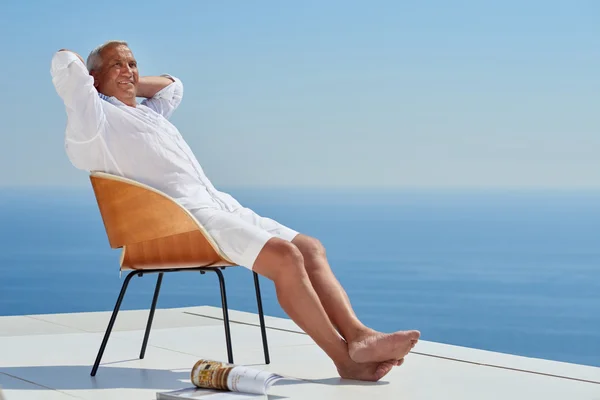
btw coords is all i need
(331, 93)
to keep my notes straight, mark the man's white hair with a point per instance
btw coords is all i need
(94, 60)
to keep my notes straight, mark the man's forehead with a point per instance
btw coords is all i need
(117, 52)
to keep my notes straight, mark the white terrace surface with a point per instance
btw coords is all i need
(50, 357)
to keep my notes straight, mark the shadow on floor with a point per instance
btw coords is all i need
(77, 377)
(336, 381)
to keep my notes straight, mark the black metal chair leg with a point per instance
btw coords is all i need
(112, 321)
(151, 316)
(153, 309)
(261, 316)
(225, 313)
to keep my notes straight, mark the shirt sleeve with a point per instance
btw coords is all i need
(166, 100)
(75, 86)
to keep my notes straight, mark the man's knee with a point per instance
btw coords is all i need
(310, 247)
(279, 257)
(290, 256)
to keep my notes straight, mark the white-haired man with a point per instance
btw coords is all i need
(108, 130)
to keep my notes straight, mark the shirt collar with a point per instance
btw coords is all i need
(111, 99)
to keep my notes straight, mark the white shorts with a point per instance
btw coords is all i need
(241, 234)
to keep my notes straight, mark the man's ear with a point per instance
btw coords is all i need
(95, 75)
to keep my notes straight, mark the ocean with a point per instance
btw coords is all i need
(508, 271)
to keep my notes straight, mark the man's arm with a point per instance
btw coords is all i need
(75, 86)
(166, 93)
(148, 86)
(78, 56)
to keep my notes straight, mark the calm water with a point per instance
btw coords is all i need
(509, 272)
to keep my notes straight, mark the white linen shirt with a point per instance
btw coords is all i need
(104, 134)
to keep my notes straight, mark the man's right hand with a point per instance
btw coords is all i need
(81, 58)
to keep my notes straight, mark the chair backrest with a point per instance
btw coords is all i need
(138, 215)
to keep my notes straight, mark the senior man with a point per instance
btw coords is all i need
(108, 130)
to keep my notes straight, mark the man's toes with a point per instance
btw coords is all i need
(383, 369)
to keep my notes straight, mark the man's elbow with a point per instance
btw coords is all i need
(75, 53)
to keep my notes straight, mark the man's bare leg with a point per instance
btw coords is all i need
(364, 344)
(283, 263)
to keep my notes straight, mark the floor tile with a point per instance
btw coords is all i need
(17, 389)
(128, 320)
(21, 325)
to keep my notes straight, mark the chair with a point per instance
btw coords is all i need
(158, 235)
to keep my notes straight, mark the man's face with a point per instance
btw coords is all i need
(118, 75)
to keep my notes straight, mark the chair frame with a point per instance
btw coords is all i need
(161, 271)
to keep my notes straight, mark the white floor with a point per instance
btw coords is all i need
(50, 357)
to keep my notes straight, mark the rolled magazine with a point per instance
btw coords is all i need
(236, 378)
(216, 379)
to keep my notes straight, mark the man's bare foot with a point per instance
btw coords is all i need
(378, 347)
(371, 372)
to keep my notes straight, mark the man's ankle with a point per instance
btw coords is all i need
(358, 333)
